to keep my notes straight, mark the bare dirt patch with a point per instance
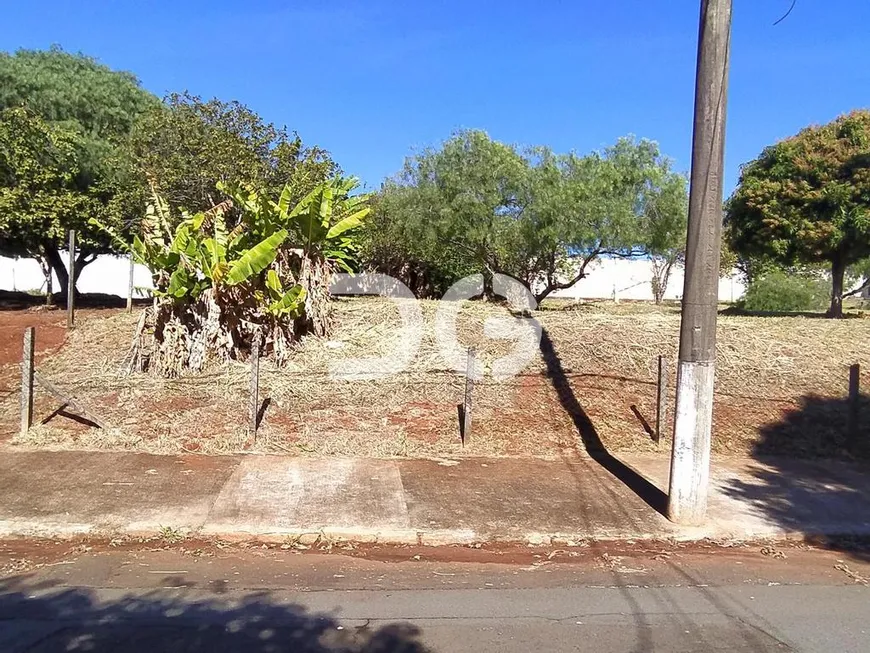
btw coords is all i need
(50, 335)
(340, 564)
(781, 383)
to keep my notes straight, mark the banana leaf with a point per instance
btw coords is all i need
(284, 201)
(289, 303)
(180, 283)
(256, 259)
(350, 222)
(273, 283)
(116, 238)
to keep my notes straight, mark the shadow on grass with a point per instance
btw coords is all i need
(17, 300)
(736, 310)
(623, 307)
(43, 616)
(592, 442)
(801, 489)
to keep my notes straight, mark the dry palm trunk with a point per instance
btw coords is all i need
(219, 325)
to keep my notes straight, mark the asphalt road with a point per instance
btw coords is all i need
(201, 598)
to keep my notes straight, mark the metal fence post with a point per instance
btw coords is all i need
(661, 398)
(255, 384)
(469, 394)
(71, 283)
(130, 286)
(26, 400)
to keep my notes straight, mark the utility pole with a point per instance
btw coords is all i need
(690, 460)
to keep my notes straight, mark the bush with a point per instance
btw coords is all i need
(780, 292)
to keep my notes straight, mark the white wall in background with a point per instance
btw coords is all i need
(108, 274)
(629, 278)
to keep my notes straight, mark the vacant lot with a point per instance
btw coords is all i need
(781, 385)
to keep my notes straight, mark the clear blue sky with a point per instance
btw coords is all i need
(371, 80)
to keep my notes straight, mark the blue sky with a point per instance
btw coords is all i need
(373, 80)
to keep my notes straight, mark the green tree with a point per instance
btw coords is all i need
(622, 202)
(477, 205)
(186, 147)
(85, 110)
(665, 217)
(388, 244)
(37, 181)
(806, 201)
(458, 206)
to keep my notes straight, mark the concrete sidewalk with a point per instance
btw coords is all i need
(50, 493)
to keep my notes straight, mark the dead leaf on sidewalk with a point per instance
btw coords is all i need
(772, 552)
(858, 578)
(614, 564)
(536, 565)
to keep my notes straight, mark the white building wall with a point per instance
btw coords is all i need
(622, 278)
(632, 279)
(108, 275)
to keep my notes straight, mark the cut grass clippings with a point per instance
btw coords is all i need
(602, 371)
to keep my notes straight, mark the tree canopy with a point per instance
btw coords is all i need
(38, 179)
(477, 205)
(70, 115)
(187, 146)
(806, 200)
(82, 141)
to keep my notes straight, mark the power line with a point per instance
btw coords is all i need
(793, 3)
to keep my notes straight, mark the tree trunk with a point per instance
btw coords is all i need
(838, 271)
(55, 262)
(661, 274)
(488, 292)
(49, 280)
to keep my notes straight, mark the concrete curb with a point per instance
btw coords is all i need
(405, 537)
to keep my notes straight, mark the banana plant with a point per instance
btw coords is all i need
(322, 221)
(283, 302)
(190, 260)
(326, 216)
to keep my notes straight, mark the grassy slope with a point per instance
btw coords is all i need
(780, 384)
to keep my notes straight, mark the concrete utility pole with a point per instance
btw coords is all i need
(690, 460)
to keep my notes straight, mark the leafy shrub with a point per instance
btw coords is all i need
(248, 271)
(778, 291)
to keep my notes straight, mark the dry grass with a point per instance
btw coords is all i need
(606, 353)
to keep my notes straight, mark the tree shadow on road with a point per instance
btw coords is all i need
(592, 443)
(804, 489)
(44, 617)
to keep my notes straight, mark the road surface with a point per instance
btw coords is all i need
(145, 597)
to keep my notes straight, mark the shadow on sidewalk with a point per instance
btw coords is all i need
(801, 489)
(72, 619)
(592, 443)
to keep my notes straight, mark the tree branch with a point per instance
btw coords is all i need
(552, 285)
(858, 290)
